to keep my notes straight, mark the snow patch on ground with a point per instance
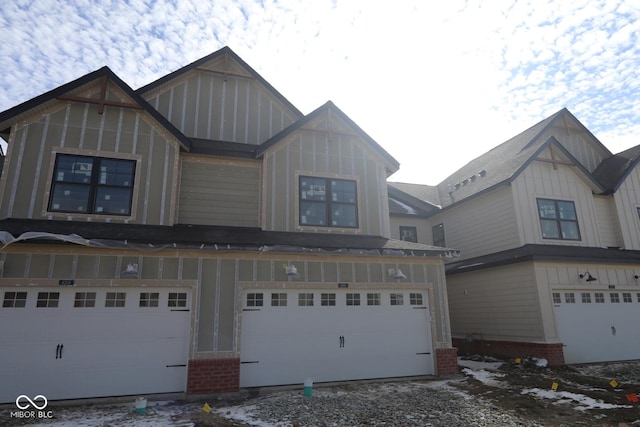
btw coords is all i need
(584, 402)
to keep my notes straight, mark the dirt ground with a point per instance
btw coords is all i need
(505, 391)
(592, 381)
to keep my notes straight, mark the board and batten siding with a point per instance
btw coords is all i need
(627, 203)
(496, 304)
(311, 153)
(580, 143)
(77, 128)
(480, 226)
(219, 192)
(224, 107)
(607, 219)
(541, 180)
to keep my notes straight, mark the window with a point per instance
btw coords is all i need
(638, 295)
(115, 299)
(255, 300)
(85, 299)
(586, 298)
(179, 299)
(558, 219)
(373, 299)
(328, 202)
(149, 299)
(83, 184)
(415, 299)
(556, 298)
(354, 299)
(409, 234)
(396, 299)
(278, 299)
(327, 299)
(19, 299)
(48, 299)
(599, 298)
(626, 297)
(305, 300)
(437, 232)
(614, 297)
(569, 297)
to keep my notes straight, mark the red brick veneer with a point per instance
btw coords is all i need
(213, 376)
(552, 352)
(446, 361)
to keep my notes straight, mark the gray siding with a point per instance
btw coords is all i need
(216, 192)
(499, 304)
(481, 226)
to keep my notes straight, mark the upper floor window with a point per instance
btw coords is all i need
(92, 185)
(438, 235)
(558, 219)
(409, 234)
(327, 202)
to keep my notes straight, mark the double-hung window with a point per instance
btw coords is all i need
(558, 219)
(328, 202)
(92, 185)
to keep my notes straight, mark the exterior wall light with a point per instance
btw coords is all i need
(589, 277)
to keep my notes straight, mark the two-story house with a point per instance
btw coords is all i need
(200, 234)
(548, 227)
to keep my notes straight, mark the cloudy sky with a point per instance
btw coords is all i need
(436, 83)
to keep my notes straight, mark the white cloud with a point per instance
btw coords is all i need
(434, 83)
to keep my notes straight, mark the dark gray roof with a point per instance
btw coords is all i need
(535, 252)
(612, 171)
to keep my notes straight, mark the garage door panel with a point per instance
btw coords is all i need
(106, 350)
(598, 326)
(285, 344)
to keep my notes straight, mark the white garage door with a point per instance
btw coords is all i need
(72, 342)
(598, 326)
(289, 335)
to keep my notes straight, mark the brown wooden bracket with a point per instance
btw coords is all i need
(102, 100)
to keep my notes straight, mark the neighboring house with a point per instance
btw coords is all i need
(548, 228)
(199, 235)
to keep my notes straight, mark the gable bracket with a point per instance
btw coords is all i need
(225, 73)
(554, 160)
(101, 101)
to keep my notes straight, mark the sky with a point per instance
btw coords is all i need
(435, 83)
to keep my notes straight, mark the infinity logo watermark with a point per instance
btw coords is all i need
(31, 402)
(24, 402)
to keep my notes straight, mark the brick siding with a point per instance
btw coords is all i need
(511, 349)
(446, 361)
(213, 376)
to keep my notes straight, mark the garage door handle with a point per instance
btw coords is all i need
(341, 341)
(59, 348)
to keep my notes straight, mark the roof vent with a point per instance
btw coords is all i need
(482, 172)
(472, 178)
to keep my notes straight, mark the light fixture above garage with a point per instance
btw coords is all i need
(589, 277)
(291, 271)
(130, 271)
(397, 274)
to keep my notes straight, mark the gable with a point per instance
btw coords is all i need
(93, 121)
(220, 98)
